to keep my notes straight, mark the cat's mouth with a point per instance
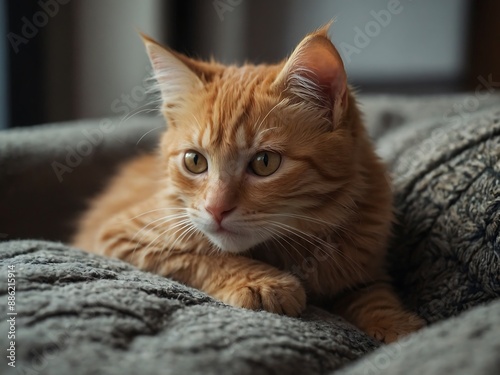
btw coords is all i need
(231, 240)
(222, 230)
(230, 235)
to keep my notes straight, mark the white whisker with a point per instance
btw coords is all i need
(267, 115)
(148, 132)
(155, 210)
(309, 238)
(182, 224)
(163, 220)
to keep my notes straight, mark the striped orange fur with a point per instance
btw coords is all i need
(265, 191)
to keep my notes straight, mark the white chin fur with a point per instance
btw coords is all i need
(236, 239)
(234, 242)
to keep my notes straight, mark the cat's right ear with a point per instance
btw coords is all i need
(174, 77)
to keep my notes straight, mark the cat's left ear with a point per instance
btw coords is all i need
(315, 73)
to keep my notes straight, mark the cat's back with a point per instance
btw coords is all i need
(135, 181)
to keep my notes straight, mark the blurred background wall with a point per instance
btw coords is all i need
(69, 59)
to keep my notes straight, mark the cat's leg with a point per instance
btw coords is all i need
(376, 309)
(239, 281)
(231, 278)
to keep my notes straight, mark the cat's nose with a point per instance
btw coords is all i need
(219, 211)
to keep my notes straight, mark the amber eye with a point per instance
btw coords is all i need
(195, 162)
(265, 163)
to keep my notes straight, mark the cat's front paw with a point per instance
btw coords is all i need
(282, 294)
(389, 327)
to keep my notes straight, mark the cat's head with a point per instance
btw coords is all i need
(256, 152)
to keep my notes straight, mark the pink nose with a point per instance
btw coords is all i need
(219, 211)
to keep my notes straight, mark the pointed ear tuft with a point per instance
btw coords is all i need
(315, 73)
(174, 77)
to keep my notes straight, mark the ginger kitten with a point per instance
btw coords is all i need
(265, 191)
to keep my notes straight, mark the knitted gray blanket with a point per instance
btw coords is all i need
(78, 313)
